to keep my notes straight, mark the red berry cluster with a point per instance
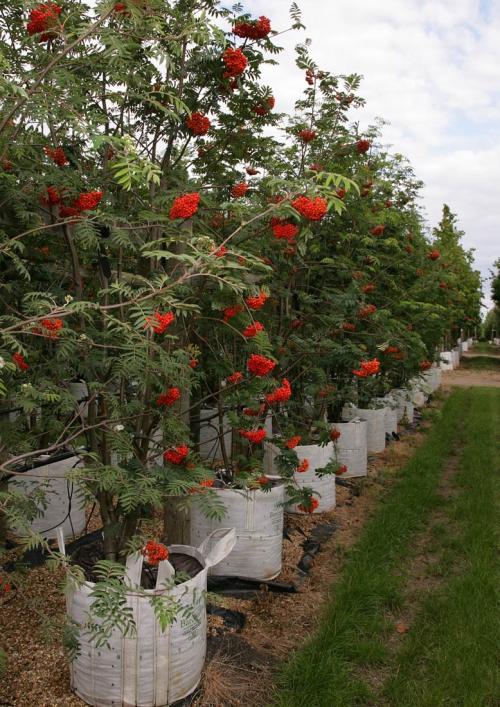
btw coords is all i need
(159, 322)
(87, 201)
(293, 442)
(155, 552)
(185, 206)
(425, 365)
(42, 19)
(310, 506)
(235, 61)
(257, 302)
(18, 359)
(307, 135)
(281, 394)
(51, 196)
(169, 397)
(311, 209)
(232, 311)
(434, 255)
(284, 230)
(303, 466)
(176, 455)
(310, 76)
(52, 326)
(362, 146)
(378, 230)
(5, 586)
(220, 252)
(252, 330)
(368, 368)
(366, 311)
(57, 155)
(259, 365)
(239, 190)
(198, 123)
(254, 436)
(264, 108)
(259, 29)
(235, 378)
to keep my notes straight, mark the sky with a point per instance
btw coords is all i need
(431, 69)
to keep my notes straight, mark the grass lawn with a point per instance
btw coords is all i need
(484, 347)
(480, 363)
(439, 516)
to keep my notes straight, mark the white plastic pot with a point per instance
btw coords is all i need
(391, 413)
(323, 486)
(151, 668)
(318, 457)
(210, 446)
(465, 346)
(419, 392)
(351, 447)
(432, 379)
(403, 403)
(455, 357)
(375, 419)
(63, 501)
(436, 376)
(447, 359)
(257, 517)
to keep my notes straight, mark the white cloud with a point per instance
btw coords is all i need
(431, 69)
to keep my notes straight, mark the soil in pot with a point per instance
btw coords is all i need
(87, 556)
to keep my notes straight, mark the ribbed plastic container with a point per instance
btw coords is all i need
(64, 502)
(257, 517)
(210, 447)
(375, 419)
(447, 359)
(435, 377)
(430, 380)
(455, 357)
(391, 413)
(465, 346)
(151, 668)
(418, 392)
(404, 404)
(351, 447)
(318, 457)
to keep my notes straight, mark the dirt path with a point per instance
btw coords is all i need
(466, 378)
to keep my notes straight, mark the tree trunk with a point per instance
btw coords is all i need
(177, 521)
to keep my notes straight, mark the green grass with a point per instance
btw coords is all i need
(448, 657)
(484, 347)
(352, 637)
(480, 363)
